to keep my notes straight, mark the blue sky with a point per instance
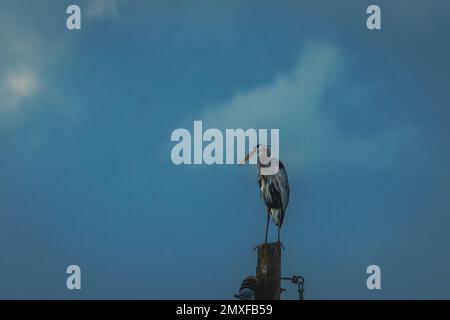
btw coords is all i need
(86, 117)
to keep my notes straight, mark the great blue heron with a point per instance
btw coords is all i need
(274, 188)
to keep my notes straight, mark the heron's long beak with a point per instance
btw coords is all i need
(248, 157)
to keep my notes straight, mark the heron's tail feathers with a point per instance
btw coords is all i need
(276, 216)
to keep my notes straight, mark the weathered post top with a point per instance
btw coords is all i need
(268, 271)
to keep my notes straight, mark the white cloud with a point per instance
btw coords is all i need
(31, 52)
(15, 88)
(22, 84)
(22, 76)
(104, 8)
(293, 102)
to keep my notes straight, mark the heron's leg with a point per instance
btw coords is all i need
(279, 227)
(267, 224)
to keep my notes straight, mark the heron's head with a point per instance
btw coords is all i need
(259, 150)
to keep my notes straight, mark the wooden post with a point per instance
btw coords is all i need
(268, 271)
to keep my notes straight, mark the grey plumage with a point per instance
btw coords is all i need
(274, 188)
(275, 191)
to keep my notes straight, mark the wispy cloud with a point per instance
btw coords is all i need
(104, 8)
(32, 50)
(24, 61)
(28, 58)
(22, 84)
(294, 103)
(15, 88)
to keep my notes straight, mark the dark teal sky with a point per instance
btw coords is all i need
(86, 117)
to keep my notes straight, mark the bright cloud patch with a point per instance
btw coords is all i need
(15, 88)
(104, 8)
(22, 84)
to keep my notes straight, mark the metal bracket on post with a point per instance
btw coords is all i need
(300, 282)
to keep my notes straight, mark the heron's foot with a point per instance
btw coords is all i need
(282, 245)
(259, 245)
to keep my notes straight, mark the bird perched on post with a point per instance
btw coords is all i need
(273, 186)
